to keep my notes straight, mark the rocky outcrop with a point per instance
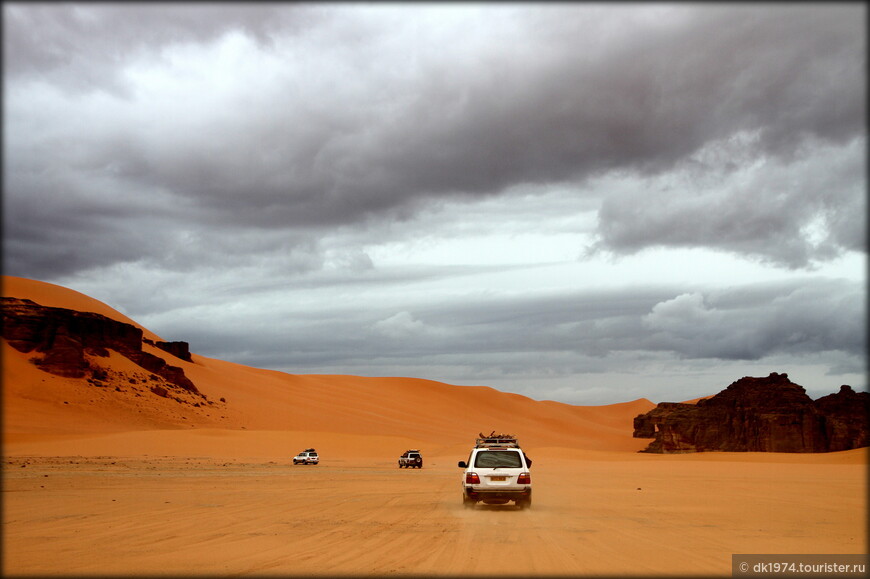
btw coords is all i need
(66, 336)
(769, 414)
(848, 413)
(645, 424)
(180, 350)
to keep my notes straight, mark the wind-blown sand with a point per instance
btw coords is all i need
(98, 481)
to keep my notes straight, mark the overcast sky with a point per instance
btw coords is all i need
(588, 203)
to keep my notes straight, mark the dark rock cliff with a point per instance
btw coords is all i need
(769, 414)
(65, 336)
(847, 415)
(180, 350)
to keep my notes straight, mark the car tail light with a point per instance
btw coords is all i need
(471, 478)
(524, 479)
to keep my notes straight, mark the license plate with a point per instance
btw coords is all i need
(498, 478)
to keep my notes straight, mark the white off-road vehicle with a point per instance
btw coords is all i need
(411, 459)
(307, 456)
(497, 472)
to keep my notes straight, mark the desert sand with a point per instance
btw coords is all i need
(117, 481)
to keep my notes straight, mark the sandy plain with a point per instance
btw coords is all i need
(100, 481)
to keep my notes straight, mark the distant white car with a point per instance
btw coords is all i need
(411, 459)
(307, 456)
(497, 472)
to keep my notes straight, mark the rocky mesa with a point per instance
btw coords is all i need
(770, 414)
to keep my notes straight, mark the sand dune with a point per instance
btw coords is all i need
(259, 399)
(54, 296)
(117, 480)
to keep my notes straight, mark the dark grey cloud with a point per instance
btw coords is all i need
(542, 109)
(298, 117)
(808, 211)
(811, 317)
(258, 179)
(747, 322)
(84, 46)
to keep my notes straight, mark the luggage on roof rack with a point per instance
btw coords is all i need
(499, 440)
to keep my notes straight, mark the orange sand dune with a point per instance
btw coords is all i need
(255, 399)
(117, 480)
(696, 400)
(55, 296)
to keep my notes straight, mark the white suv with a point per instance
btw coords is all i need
(497, 471)
(411, 459)
(307, 456)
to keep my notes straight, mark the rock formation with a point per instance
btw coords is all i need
(769, 414)
(66, 336)
(180, 350)
(848, 411)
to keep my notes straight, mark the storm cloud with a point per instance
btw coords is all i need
(203, 162)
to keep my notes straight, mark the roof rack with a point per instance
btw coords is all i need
(505, 440)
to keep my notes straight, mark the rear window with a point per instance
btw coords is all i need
(498, 459)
